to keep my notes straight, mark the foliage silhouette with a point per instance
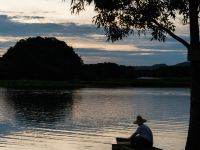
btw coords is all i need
(108, 71)
(121, 18)
(50, 59)
(42, 59)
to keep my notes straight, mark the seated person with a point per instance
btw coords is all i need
(142, 139)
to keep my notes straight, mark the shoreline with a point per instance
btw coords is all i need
(162, 83)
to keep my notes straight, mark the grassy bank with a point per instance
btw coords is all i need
(164, 82)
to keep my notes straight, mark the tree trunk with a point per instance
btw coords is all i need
(193, 142)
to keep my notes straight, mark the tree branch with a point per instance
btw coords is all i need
(186, 44)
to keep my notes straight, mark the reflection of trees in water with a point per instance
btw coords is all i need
(40, 106)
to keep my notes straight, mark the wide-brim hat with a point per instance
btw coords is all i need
(139, 120)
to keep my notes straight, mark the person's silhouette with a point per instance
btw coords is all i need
(142, 138)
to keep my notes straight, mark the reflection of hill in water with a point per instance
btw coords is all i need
(90, 117)
(43, 107)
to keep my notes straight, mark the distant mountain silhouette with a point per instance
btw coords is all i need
(163, 70)
(184, 64)
(158, 66)
(40, 58)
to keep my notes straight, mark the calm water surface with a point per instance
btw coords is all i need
(90, 118)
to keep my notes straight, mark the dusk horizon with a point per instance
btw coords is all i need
(99, 74)
(78, 31)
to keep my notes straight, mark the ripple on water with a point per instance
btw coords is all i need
(90, 118)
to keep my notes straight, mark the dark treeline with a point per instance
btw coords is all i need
(114, 71)
(108, 71)
(47, 58)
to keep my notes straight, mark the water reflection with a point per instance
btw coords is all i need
(90, 118)
(35, 119)
(34, 107)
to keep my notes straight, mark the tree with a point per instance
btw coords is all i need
(108, 71)
(41, 59)
(121, 18)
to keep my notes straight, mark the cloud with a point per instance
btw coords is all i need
(30, 19)
(9, 27)
(27, 17)
(131, 57)
(89, 42)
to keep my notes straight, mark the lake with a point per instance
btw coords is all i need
(90, 118)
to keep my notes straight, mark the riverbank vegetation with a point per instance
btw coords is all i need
(48, 62)
(163, 82)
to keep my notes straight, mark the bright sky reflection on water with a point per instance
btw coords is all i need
(90, 118)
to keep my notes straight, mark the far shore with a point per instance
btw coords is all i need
(146, 82)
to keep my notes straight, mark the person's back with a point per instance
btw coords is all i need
(145, 132)
(142, 138)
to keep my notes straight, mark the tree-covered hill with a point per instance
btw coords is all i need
(40, 58)
(46, 58)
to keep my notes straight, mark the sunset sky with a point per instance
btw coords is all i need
(24, 18)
